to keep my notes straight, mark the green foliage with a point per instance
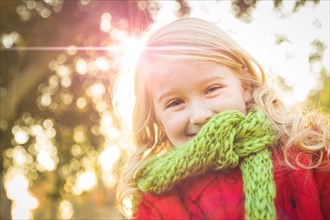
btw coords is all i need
(301, 3)
(320, 98)
(318, 48)
(243, 9)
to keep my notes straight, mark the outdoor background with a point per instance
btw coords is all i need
(62, 147)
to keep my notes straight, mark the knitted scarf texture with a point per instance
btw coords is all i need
(228, 140)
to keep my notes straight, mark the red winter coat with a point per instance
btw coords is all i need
(300, 194)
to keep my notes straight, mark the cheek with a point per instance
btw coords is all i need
(173, 125)
(230, 102)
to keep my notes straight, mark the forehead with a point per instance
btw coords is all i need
(166, 69)
(178, 76)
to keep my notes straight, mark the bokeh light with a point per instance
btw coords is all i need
(128, 206)
(8, 40)
(17, 187)
(81, 66)
(66, 210)
(21, 136)
(109, 157)
(86, 181)
(105, 24)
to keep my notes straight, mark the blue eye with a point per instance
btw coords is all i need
(174, 103)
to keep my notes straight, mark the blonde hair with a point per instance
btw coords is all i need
(192, 39)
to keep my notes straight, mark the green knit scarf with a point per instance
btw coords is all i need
(229, 139)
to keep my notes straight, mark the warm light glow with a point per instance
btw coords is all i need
(3, 92)
(113, 133)
(97, 90)
(67, 98)
(106, 120)
(66, 209)
(19, 155)
(53, 81)
(105, 24)
(19, 212)
(107, 128)
(23, 12)
(61, 59)
(109, 157)
(109, 180)
(45, 13)
(8, 40)
(45, 160)
(46, 99)
(43, 148)
(102, 63)
(21, 136)
(76, 150)
(63, 71)
(81, 102)
(66, 81)
(79, 134)
(85, 2)
(101, 106)
(50, 132)
(124, 98)
(75, 164)
(85, 182)
(31, 4)
(36, 130)
(72, 50)
(128, 207)
(27, 201)
(16, 186)
(81, 66)
(23, 202)
(48, 123)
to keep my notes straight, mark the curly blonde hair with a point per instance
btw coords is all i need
(192, 39)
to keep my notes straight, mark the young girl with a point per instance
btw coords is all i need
(213, 139)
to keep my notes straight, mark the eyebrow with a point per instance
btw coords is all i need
(164, 95)
(207, 80)
(212, 78)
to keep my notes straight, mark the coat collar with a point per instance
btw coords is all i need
(194, 186)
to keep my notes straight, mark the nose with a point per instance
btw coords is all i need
(200, 115)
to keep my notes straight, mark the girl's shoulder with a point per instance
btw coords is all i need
(302, 191)
(296, 170)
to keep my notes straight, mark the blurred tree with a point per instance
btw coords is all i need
(243, 9)
(41, 90)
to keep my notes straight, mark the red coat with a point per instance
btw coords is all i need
(300, 194)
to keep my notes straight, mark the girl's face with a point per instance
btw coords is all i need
(186, 95)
